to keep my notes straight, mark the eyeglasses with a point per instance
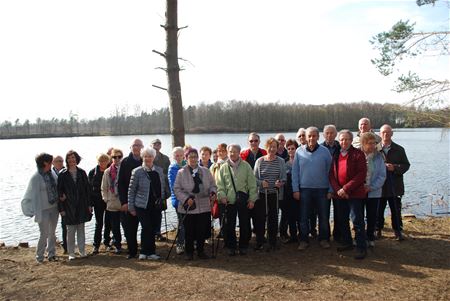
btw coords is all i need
(281, 140)
(137, 145)
(253, 141)
(58, 161)
(303, 135)
(116, 157)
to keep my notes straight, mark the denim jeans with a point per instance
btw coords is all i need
(354, 209)
(318, 197)
(47, 237)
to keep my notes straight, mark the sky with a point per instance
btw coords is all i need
(91, 57)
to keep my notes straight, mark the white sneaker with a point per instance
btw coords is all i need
(71, 257)
(83, 255)
(142, 257)
(154, 257)
(180, 250)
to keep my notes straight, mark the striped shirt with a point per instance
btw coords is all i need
(270, 171)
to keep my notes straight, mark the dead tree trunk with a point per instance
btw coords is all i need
(173, 76)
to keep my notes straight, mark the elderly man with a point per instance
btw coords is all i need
(282, 151)
(129, 222)
(162, 161)
(301, 136)
(310, 185)
(396, 165)
(329, 134)
(364, 126)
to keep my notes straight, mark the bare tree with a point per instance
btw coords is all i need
(173, 69)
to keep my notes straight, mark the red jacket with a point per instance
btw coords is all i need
(356, 174)
(246, 152)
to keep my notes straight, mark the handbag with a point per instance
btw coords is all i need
(215, 209)
(241, 197)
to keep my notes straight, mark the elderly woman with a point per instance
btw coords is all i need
(376, 175)
(40, 200)
(301, 136)
(110, 195)
(270, 172)
(291, 206)
(236, 189)
(347, 176)
(195, 188)
(145, 195)
(95, 177)
(310, 185)
(178, 156)
(74, 205)
(205, 154)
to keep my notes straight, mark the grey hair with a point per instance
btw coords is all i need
(150, 151)
(365, 119)
(177, 149)
(234, 145)
(329, 127)
(342, 132)
(301, 130)
(313, 129)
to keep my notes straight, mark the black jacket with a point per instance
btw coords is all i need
(126, 166)
(394, 180)
(77, 202)
(95, 182)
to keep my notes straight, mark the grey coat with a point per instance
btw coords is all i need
(184, 184)
(139, 188)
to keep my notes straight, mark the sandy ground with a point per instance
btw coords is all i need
(417, 268)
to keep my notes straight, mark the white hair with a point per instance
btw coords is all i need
(149, 151)
(342, 132)
(177, 149)
(313, 129)
(330, 127)
(234, 145)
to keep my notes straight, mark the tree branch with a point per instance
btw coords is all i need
(159, 87)
(160, 53)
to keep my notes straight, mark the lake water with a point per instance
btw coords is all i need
(427, 181)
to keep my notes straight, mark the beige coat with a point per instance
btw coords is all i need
(184, 184)
(111, 199)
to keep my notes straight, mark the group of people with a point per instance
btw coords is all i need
(301, 178)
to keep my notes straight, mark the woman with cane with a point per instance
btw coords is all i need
(270, 172)
(195, 188)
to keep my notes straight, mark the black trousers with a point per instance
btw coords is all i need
(130, 226)
(64, 233)
(395, 204)
(148, 220)
(101, 219)
(284, 220)
(240, 210)
(196, 226)
(337, 236)
(260, 215)
(114, 217)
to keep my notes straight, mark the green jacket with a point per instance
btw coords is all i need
(244, 179)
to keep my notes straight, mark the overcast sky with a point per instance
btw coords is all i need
(90, 57)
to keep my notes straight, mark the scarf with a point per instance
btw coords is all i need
(197, 181)
(113, 176)
(50, 184)
(234, 165)
(370, 167)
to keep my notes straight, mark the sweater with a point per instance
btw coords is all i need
(244, 179)
(281, 176)
(377, 177)
(311, 169)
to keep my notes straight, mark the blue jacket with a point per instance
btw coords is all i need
(172, 174)
(377, 177)
(139, 189)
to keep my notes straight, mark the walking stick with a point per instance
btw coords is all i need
(223, 221)
(178, 231)
(267, 215)
(276, 236)
(212, 238)
(165, 221)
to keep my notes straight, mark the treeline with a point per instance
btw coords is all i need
(232, 116)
